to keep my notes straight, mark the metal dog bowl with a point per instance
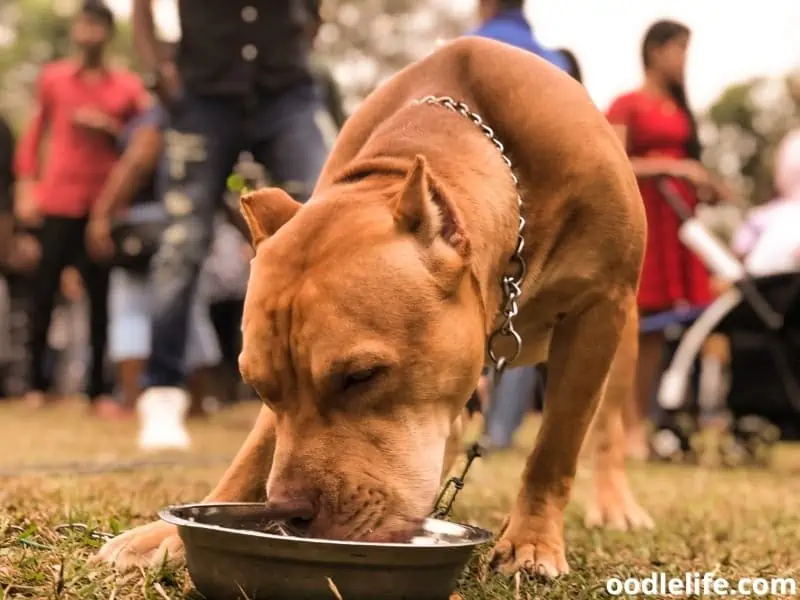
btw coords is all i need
(234, 551)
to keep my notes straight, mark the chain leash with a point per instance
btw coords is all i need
(511, 285)
(454, 485)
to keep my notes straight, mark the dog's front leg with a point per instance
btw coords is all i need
(613, 504)
(243, 481)
(581, 352)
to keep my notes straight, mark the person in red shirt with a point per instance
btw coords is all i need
(81, 104)
(660, 134)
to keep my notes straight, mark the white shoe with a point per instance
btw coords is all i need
(162, 417)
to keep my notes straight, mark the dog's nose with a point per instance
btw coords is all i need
(296, 511)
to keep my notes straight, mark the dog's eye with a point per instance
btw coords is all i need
(360, 377)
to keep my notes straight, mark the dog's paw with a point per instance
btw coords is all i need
(613, 505)
(530, 549)
(148, 546)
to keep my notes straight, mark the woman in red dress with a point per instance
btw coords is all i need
(660, 134)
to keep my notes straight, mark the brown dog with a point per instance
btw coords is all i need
(368, 309)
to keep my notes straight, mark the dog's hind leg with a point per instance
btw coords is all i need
(581, 353)
(244, 481)
(613, 504)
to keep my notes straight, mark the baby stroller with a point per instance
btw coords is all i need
(761, 320)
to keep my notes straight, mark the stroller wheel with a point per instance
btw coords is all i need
(666, 445)
(772, 434)
(750, 425)
(756, 437)
(733, 452)
(672, 441)
(669, 445)
(753, 427)
(687, 427)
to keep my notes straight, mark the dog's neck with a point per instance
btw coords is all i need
(470, 172)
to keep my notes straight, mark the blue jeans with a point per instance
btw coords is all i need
(203, 143)
(513, 397)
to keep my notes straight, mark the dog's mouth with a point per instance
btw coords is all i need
(397, 531)
(402, 531)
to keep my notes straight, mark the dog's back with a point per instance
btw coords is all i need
(579, 192)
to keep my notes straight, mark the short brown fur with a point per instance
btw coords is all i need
(393, 270)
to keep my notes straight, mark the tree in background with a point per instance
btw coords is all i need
(33, 32)
(743, 128)
(367, 41)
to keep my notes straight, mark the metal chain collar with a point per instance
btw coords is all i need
(511, 281)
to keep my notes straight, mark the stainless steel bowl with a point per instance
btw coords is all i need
(234, 551)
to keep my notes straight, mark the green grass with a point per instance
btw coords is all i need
(738, 523)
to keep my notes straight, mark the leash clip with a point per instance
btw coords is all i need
(444, 503)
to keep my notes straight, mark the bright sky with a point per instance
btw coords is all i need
(733, 39)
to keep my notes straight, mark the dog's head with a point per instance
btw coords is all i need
(364, 333)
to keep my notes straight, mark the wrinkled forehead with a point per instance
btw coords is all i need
(334, 312)
(380, 286)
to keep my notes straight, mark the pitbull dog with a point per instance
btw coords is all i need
(368, 309)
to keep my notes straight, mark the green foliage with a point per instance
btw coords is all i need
(743, 129)
(32, 33)
(364, 42)
(367, 41)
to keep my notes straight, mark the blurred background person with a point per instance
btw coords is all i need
(6, 243)
(133, 196)
(769, 240)
(333, 117)
(573, 66)
(242, 82)
(6, 190)
(19, 255)
(226, 270)
(505, 21)
(67, 354)
(223, 285)
(519, 389)
(82, 105)
(659, 131)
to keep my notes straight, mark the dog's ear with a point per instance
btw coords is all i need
(423, 210)
(265, 211)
